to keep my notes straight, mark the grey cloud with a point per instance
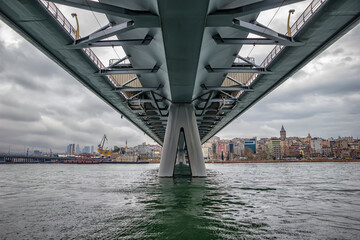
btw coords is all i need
(15, 109)
(18, 115)
(42, 106)
(332, 84)
(337, 51)
(23, 81)
(347, 59)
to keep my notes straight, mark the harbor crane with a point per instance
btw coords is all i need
(101, 149)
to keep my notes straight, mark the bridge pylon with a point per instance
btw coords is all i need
(182, 133)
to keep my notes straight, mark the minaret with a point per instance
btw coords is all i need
(126, 146)
(282, 133)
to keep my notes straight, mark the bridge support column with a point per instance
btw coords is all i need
(182, 119)
(181, 157)
(181, 149)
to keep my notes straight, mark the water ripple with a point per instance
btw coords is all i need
(237, 201)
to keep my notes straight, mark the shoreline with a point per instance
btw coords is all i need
(206, 162)
(285, 161)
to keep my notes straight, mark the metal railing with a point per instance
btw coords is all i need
(61, 19)
(295, 28)
(300, 22)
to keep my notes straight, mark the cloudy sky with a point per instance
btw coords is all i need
(43, 107)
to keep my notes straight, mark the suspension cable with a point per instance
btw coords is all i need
(282, 2)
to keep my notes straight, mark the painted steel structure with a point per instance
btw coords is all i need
(180, 52)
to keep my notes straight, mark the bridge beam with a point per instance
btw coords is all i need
(259, 70)
(113, 43)
(266, 32)
(136, 89)
(182, 118)
(227, 88)
(127, 70)
(222, 18)
(247, 60)
(142, 18)
(106, 32)
(244, 41)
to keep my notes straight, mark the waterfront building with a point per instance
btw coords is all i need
(205, 152)
(214, 139)
(332, 145)
(316, 145)
(209, 152)
(86, 149)
(231, 147)
(308, 139)
(239, 147)
(129, 151)
(156, 151)
(325, 143)
(221, 149)
(354, 145)
(70, 149)
(342, 147)
(285, 148)
(260, 146)
(293, 150)
(208, 145)
(214, 150)
(142, 150)
(275, 148)
(326, 151)
(250, 144)
(77, 150)
(37, 153)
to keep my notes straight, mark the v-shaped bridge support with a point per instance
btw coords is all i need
(182, 120)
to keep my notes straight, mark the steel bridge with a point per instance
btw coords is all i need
(182, 79)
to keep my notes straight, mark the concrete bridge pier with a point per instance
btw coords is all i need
(181, 157)
(181, 149)
(182, 119)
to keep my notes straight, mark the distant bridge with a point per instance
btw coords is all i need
(17, 158)
(181, 80)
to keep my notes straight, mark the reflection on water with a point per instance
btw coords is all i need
(182, 170)
(235, 201)
(188, 208)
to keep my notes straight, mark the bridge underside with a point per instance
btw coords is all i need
(180, 53)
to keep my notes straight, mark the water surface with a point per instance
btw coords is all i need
(235, 201)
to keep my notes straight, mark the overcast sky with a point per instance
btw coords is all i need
(43, 107)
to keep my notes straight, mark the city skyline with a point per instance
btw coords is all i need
(281, 147)
(42, 106)
(80, 147)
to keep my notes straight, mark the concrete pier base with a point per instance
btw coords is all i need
(182, 119)
(181, 157)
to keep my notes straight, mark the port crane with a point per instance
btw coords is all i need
(101, 149)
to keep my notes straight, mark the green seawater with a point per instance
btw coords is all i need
(235, 201)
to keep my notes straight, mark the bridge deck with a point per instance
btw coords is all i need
(161, 70)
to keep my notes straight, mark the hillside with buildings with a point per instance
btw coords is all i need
(282, 147)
